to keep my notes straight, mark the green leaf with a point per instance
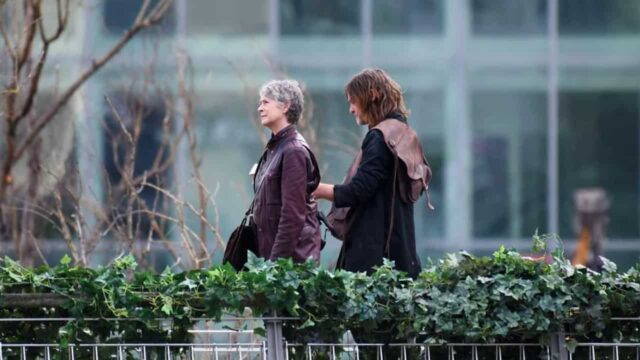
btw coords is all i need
(571, 344)
(608, 265)
(66, 260)
(260, 331)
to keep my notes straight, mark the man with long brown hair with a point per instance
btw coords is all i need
(375, 199)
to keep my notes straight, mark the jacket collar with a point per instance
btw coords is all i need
(289, 131)
(396, 115)
(393, 115)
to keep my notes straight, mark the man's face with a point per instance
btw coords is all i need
(271, 112)
(355, 110)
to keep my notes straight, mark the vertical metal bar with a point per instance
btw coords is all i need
(144, 352)
(458, 128)
(23, 353)
(181, 19)
(192, 355)
(286, 350)
(308, 351)
(72, 352)
(275, 341)
(1, 355)
(95, 352)
(499, 352)
(404, 352)
(558, 347)
(274, 30)
(428, 352)
(167, 352)
(181, 162)
(264, 350)
(592, 352)
(120, 354)
(47, 352)
(215, 352)
(515, 182)
(616, 354)
(366, 30)
(552, 113)
(357, 352)
(474, 352)
(333, 352)
(88, 106)
(380, 355)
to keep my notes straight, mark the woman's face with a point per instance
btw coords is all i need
(355, 110)
(272, 113)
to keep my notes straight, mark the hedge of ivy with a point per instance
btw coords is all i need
(504, 297)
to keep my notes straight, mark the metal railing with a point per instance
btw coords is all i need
(248, 345)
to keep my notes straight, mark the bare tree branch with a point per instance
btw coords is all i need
(43, 120)
(32, 16)
(46, 42)
(188, 117)
(5, 37)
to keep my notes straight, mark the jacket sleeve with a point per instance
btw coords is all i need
(372, 173)
(294, 203)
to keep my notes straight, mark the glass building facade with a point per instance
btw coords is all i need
(518, 102)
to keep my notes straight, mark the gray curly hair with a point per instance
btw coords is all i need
(285, 92)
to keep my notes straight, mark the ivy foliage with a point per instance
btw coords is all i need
(504, 297)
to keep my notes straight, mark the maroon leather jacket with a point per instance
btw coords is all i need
(285, 212)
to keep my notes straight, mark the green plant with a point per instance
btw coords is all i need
(504, 297)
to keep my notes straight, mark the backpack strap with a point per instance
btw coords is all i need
(387, 245)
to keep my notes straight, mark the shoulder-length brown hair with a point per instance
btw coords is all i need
(377, 95)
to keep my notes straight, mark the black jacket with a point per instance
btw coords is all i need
(369, 195)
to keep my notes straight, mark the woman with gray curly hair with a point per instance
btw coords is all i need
(284, 209)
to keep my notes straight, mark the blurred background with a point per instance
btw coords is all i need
(519, 104)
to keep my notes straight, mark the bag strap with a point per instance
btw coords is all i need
(249, 211)
(387, 247)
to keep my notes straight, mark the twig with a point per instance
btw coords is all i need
(44, 119)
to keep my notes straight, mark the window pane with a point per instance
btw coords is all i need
(339, 138)
(320, 32)
(509, 17)
(55, 170)
(427, 114)
(407, 16)
(227, 17)
(599, 148)
(597, 16)
(329, 17)
(116, 151)
(119, 15)
(229, 144)
(509, 163)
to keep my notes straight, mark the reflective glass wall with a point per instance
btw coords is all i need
(518, 102)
